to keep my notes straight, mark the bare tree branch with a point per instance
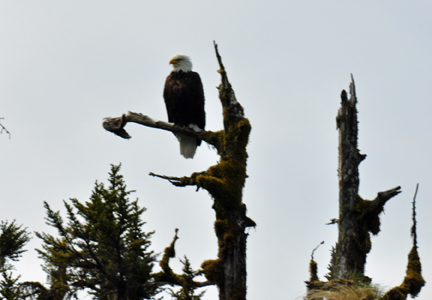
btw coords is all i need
(383, 197)
(181, 181)
(313, 251)
(2, 128)
(116, 126)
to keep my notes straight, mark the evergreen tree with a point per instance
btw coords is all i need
(102, 248)
(12, 241)
(187, 292)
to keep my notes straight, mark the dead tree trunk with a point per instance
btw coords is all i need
(224, 181)
(357, 217)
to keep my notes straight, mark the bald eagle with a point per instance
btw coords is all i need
(184, 100)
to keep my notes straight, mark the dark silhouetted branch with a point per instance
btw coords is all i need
(383, 197)
(2, 128)
(313, 251)
(414, 226)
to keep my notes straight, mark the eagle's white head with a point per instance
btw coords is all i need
(181, 62)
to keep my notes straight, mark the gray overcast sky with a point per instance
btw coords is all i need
(65, 65)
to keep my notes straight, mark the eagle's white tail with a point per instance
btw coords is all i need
(188, 145)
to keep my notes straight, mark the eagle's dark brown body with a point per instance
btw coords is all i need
(184, 99)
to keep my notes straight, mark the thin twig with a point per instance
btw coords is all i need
(312, 255)
(165, 177)
(4, 129)
(180, 181)
(218, 56)
(414, 227)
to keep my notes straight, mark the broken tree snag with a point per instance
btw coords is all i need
(357, 217)
(349, 155)
(225, 181)
(413, 281)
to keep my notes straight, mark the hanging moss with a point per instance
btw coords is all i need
(368, 214)
(225, 180)
(213, 271)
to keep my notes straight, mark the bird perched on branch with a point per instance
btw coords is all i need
(184, 100)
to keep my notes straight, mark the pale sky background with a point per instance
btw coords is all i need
(65, 65)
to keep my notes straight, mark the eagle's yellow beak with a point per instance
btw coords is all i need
(173, 61)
